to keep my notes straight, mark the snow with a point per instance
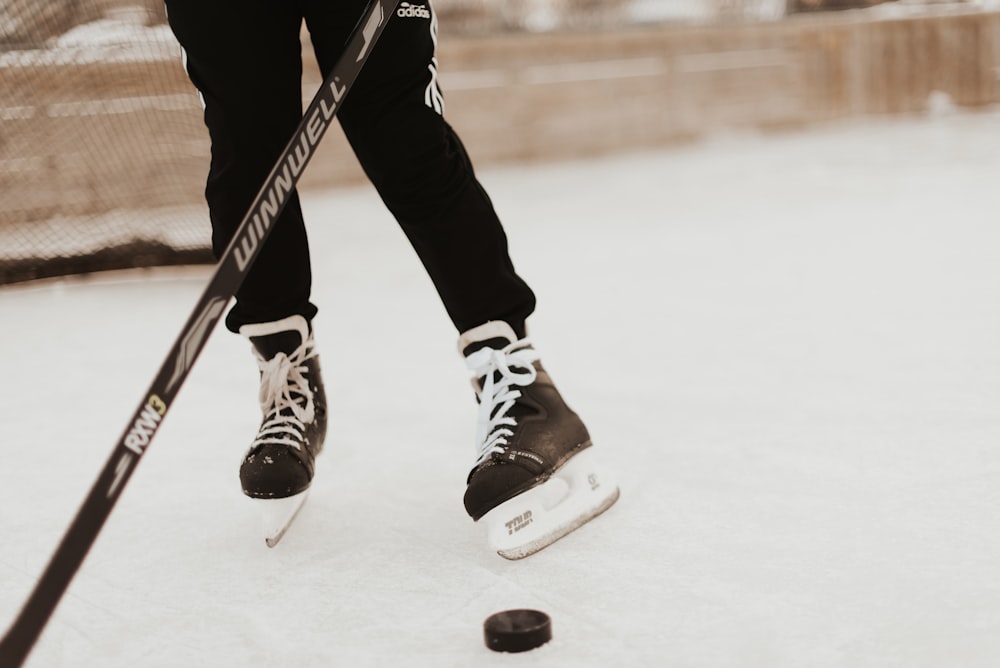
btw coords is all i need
(786, 346)
(121, 37)
(126, 26)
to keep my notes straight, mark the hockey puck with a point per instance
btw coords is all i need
(517, 630)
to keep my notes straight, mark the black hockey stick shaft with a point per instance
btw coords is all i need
(229, 273)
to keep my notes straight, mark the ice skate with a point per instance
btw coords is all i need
(536, 478)
(278, 468)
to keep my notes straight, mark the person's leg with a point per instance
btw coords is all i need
(393, 119)
(245, 60)
(532, 446)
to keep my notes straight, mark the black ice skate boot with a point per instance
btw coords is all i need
(535, 479)
(279, 466)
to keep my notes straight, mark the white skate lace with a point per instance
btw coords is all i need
(500, 371)
(282, 378)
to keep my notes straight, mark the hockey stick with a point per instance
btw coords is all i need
(229, 274)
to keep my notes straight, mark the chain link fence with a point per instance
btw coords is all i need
(102, 146)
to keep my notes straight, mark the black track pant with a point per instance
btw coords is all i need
(245, 59)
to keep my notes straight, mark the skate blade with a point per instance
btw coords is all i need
(278, 514)
(575, 494)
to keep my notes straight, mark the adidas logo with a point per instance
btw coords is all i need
(406, 10)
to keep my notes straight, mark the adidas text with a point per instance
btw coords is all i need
(406, 10)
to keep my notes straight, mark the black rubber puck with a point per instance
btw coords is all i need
(517, 630)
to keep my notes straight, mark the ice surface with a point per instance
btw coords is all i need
(786, 346)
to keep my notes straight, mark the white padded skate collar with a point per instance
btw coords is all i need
(291, 323)
(493, 329)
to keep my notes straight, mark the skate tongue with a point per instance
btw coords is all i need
(280, 336)
(281, 342)
(495, 334)
(496, 344)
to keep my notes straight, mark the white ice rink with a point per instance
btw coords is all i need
(788, 347)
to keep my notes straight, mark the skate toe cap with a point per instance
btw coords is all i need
(273, 472)
(494, 483)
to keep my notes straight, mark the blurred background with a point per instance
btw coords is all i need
(103, 154)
